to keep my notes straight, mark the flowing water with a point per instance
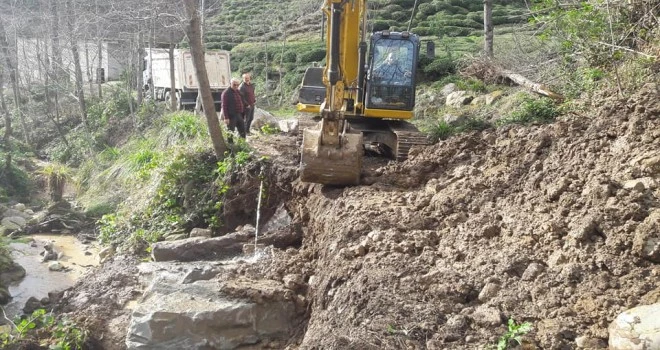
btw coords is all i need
(38, 279)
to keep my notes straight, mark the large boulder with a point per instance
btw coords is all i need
(261, 118)
(13, 223)
(458, 99)
(198, 316)
(636, 329)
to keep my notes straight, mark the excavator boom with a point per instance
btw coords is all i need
(331, 153)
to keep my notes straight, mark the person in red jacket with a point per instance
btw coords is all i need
(232, 108)
(249, 100)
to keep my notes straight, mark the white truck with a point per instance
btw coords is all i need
(156, 74)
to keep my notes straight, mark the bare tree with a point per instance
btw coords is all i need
(80, 94)
(193, 31)
(3, 109)
(488, 28)
(13, 78)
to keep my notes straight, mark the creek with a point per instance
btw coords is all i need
(76, 257)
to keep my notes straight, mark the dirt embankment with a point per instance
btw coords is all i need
(545, 224)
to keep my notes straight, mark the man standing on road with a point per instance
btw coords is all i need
(247, 92)
(232, 108)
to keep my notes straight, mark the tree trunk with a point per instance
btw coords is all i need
(13, 78)
(56, 60)
(88, 68)
(193, 31)
(80, 93)
(488, 28)
(173, 106)
(99, 53)
(138, 68)
(99, 68)
(7, 135)
(532, 86)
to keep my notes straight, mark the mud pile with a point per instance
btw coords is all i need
(549, 224)
(556, 225)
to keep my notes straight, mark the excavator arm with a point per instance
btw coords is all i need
(331, 153)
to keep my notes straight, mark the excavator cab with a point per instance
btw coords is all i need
(392, 69)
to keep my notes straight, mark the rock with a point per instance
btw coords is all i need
(49, 255)
(652, 165)
(289, 126)
(454, 120)
(584, 342)
(5, 297)
(19, 206)
(200, 232)
(262, 118)
(636, 329)
(55, 266)
(555, 190)
(293, 281)
(489, 291)
(15, 212)
(646, 242)
(38, 218)
(455, 328)
(479, 101)
(448, 89)
(106, 253)
(583, 230)
(532, 271)
(556, 259)
(634, 185)
(493, 96)
(196, 316)
(487, 316)
(251, 248)
(280, 219)
(13, 223)
(200, 274)
(32, 304)
(458, 99)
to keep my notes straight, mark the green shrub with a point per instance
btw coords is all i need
(532, 111)
(313, 55)
(441, 131)
(439, 67)
(514, 332)
(471, 84)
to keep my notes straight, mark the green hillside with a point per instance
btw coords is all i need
(277, 41)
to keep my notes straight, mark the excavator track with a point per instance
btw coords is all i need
(407, 136)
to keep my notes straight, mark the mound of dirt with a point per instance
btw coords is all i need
(548, 224)
(543, 224)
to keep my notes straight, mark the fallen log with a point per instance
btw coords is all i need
(224, 247)
(532, 86)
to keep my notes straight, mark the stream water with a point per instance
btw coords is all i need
(76, 258)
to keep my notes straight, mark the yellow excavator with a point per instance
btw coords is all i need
(363, 95)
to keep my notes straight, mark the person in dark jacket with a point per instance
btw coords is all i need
(249, 99)
(232, 108)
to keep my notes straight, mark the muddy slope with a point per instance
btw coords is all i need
(544, 224)
(549, 224)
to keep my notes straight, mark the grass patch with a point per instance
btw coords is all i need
(532, 111)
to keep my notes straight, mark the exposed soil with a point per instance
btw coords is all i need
(544, 224)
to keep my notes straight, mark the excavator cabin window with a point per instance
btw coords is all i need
(391, 83)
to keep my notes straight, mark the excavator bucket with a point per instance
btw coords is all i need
(331, 164)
